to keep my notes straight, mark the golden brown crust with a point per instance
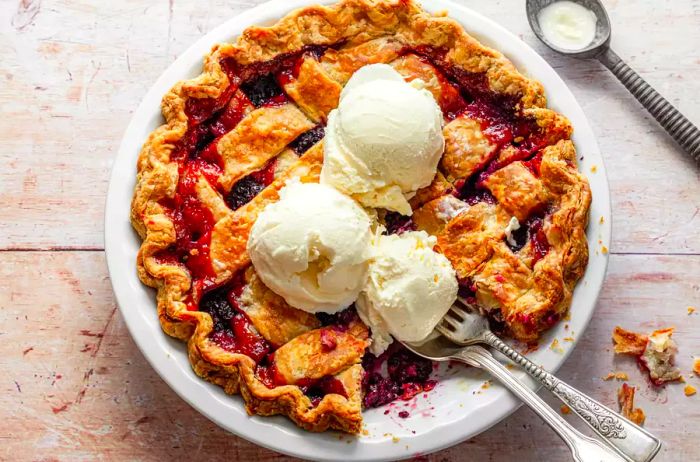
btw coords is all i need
(272, 317)
(625, 399)
(370, 31)
(531, 292)
(627, 342)
(466, 148)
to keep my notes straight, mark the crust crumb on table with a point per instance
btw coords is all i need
(696, 366)
(691, 310)
(656, 352)
(616, 375)
(565, 409)
(689, 390)
(625, 398)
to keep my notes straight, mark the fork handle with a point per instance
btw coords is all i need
(686, 134)
(583, 448)
(630, 439)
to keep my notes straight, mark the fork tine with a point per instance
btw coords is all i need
(459, 311)
(447, 319)
(464, 302)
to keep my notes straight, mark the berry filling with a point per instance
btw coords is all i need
(396, 223)
(306, 140)
(193, 223)
(317, 389)
(472, 192)
(264, 91)
(407, 375)
(232, 329)
(250, 186)
(340, 321)
(531, 230)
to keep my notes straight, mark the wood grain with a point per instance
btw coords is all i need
(74, 386)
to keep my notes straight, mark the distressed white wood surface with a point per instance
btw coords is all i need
(75, 387)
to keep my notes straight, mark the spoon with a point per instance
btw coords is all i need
(686, 134)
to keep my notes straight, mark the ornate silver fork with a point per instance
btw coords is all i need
(463, 326)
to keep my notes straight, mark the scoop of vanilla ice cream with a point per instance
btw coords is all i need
(409, 289)
(384, 141)
(312, 247)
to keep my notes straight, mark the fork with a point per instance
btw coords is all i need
(463, 326)
(583, 448)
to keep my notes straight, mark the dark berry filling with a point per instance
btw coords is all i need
(263, 90)
(396, 223)
(467, 291)
(232, 329)
(317, 389)
(306, 140)
(408, 375)
(250, 186)
(341, 320)
(540, 244)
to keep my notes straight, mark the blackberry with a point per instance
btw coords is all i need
(261, 90)
(243, 192)
(307, 139)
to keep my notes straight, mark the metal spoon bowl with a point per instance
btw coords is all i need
(686, 134)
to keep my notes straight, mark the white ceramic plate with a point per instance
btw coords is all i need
(449, 414)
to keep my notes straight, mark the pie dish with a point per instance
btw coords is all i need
(508, 206)
(457, 408)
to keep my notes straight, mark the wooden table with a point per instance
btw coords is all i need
(75, 387)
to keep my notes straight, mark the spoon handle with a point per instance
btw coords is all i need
(583, 448)
(676, 124)
(635, 442)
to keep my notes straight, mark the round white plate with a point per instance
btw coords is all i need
(449, 414)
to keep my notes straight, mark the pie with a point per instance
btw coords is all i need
(508, 207)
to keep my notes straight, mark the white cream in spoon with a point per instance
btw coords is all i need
(568, 25)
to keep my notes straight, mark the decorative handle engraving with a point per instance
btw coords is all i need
(600, 418)
(635, 442)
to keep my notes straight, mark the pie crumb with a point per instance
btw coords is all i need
(594, 168)
(555, 346)
(625, 398)
(696, 366)
(486, 385)
(565, 409)
(616, 375)
(604, 250)
(691, 310)
(395, 439)
(602, 219)
(627, 342)
(689, 390)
